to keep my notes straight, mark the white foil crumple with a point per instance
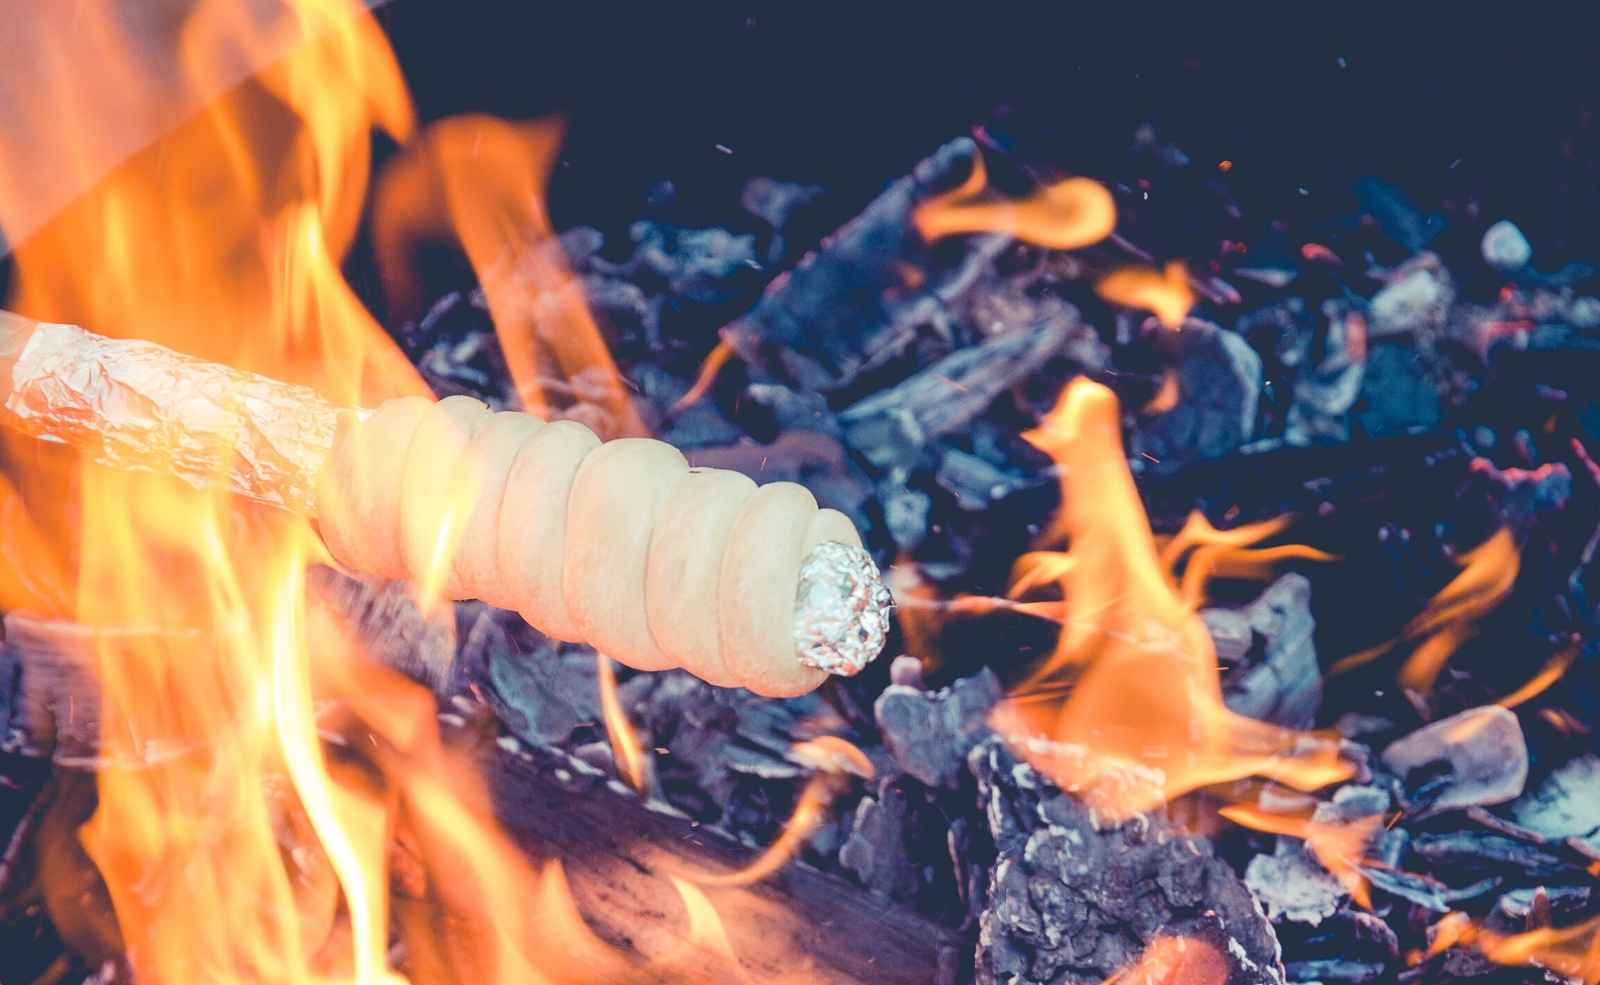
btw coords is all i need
(841, 611)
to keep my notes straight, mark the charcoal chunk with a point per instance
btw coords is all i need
(1566, 804)
(1504, 247)
(847, 306)
(1284, 685)
(892, 426)
(1476, 757)
(1219, 385)
(1074, 898)
(1293, 886)
(929, 734)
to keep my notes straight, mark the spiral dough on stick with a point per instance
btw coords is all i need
(618, 544)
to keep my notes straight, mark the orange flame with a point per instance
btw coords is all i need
(1132, 692)
(1164, 293)
(625, 746)
(716, 359)
(1571, 951)
(1339, 847)
(1228, 554)
(833, 755)
(251, 851)
(1488, 573)
(1553, 670)
(1066, 215)
(482, 179)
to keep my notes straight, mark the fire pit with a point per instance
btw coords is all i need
(745, 498)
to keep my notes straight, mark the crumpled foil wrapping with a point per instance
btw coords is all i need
(841, 609)
(131, 404)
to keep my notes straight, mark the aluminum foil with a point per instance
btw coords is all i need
(841, 609)
(131, 404)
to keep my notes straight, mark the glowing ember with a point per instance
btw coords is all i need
(1175, 961)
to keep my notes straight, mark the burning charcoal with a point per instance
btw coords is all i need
(775, 201)
(1397, 214)
(1072, 900)
(930, 734)
(1398, 392)
(1520, 496)
(543, 696)
(1476, 757)
(1415, 301)
(1476, 851)
(1293, 886)
(1324, 393)
(1504, 246)
(1285, 685)
(876, 849)
(975, 483)
(892, 426)
(863, 296)
(700, 265)
(1219, 384)
(1333, 970)
(1566, 804)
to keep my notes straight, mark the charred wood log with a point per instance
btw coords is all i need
(49, 699)
(618, 851)
(1074, 898)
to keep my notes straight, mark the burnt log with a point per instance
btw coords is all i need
(618, 851)
(49, 700)
(1075, 898)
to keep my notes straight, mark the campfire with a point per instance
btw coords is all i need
(410, 576)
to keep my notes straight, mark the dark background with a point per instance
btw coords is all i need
(1460, 112)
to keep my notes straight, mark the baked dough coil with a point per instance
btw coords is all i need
(617, 544)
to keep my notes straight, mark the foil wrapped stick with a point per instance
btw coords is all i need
(619, 544)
